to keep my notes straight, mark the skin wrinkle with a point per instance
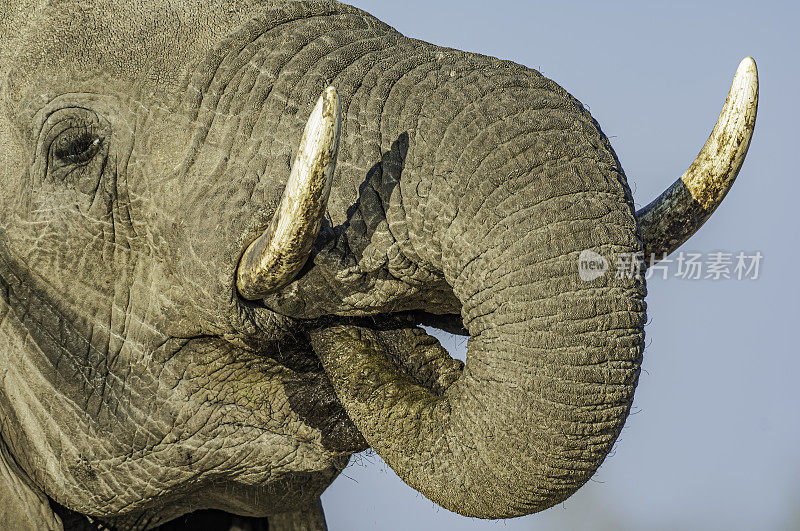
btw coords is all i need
(401, 217)
(473, 104)
(481, 169)
(24, 317)
(290, 57)
(205, 87)
(499, 190)
(379, 142)
(465, 269)
(338, 50)
(381, 101)
(488, 131)
(480, 139)
(354, 72)
(408, 201)
(407, 250)
(325, 57)
(484, 199)
(503, 275)
(221, 91)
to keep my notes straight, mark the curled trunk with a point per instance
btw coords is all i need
(485, 182)
(550, 376)
(553, 360)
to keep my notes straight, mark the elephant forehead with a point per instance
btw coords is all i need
(149, 51)
(68, 46)
(72, 46)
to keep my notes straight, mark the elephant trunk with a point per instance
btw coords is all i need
(550, 376)
(552, 361)
(485, 185)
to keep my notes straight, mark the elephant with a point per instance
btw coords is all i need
(224, 224)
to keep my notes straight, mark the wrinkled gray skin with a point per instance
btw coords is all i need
(143, 149)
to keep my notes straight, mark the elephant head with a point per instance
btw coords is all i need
(212, 276)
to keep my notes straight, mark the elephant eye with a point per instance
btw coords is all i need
(77, 147)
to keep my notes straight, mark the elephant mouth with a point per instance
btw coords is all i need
(308, 386)
(279, 255)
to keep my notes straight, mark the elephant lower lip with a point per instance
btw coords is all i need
(272, 374)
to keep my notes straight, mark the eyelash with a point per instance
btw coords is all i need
(77, 147)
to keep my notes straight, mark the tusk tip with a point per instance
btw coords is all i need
(747, 64)
(745, 82)
(330, 93)
(330, 101)
(747, 74)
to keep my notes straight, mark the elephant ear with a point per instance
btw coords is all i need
(22, 506)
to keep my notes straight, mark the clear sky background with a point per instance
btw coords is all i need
(714, 441)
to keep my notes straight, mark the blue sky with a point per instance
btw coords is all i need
(714, 438)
